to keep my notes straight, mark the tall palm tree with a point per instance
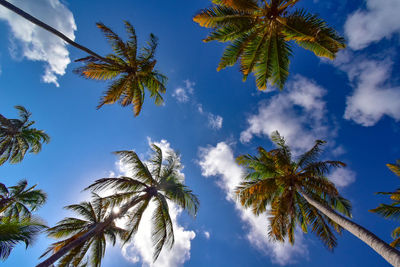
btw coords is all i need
(261, 33)
(130, 70)
(14, 231)
(392, 211)
(17, 137)
(157, 180)
(90, 214)
(298, 193)
(20, 200)
(132, 73)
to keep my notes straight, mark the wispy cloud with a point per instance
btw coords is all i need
(182, 94)
(35, 43)
(219, 161)
(379, 20)
(185, 94)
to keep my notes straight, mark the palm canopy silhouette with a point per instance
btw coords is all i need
(297, 193)
(261, 36)
(14, 231)
(20, 200)
(90, 214)
(274, 180)
(392, 211)
(131, 70)
(18, 137)
(157, 180)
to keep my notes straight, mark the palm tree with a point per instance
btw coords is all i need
(261, 35)
(91, 214)
(157, 180)
(17, 137)
(14, 231)
(130, 71)
(19, 200)
(392, 211)
(299, 193)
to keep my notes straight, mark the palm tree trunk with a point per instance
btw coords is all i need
(389, 253)
(43, 25)
(91, 233)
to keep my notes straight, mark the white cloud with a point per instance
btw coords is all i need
(380, 20)
(214, 121)
(141, 248)
(373, 96)
(182, 93)
(207, 234)
(37, 44)
(219, 161)
(342, 177)
(297, 113)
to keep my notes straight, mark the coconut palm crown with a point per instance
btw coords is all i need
(130, 70)
(90, 214)
(262, 33)
(18, 137)
(20, 200)
(159, 181)
(276, 184)
(392, 211)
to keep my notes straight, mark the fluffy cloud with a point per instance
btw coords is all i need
(373, 96)
(219, 161)
(298, 115)
(37, 44)
(380, 20)
(141, 248)
(342, 177)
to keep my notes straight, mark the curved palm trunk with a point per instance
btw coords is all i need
(43, 25)
(390, 254)
(91, 233)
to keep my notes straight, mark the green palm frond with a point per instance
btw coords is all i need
(395, 168)
(275, 184)
(260, 33)
(17, 137)
(19, 200)
(130, 72)
(70, 229)
(14, 231)
(162, 229)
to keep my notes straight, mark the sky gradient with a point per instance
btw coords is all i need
(210, 117)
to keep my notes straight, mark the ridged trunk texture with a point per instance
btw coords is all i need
(389, 253)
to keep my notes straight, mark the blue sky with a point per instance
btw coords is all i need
(210, 117)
